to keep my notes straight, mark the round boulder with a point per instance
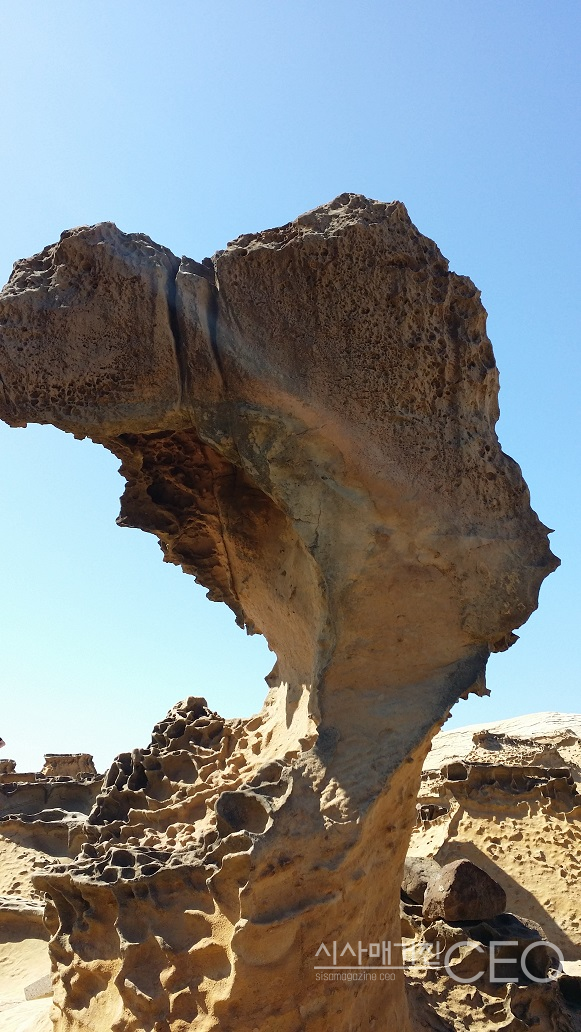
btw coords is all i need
(418, 870)
(461, 891)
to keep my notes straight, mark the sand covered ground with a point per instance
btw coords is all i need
(22, 961)
(23, 949)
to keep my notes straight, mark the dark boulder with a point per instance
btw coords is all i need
(461, 891)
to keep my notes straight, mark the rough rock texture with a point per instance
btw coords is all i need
(545, 739)
(43, 819)
(462, 891)
(507, 799)
(416, 874)
(68, 765)
(307, 424)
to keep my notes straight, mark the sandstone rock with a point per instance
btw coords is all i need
(425, 1018)
(430, 812)
(307, 423)
(26, 798)
(461, 891)
(68, 765)
(16, 909)
(520, 739)
(509, 783)
(48, 814)
(417, 873)
(570, 989)
(39, 989)
(34, 834)
(508, 792)
(520, 935)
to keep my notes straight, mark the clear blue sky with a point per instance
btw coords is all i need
(194, 122)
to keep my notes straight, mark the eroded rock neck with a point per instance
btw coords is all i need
(307, 424)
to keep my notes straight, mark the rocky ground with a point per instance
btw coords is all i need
(504, 797)
(495, 856)
(41, 821)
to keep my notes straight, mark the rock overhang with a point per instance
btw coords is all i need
(307, 423)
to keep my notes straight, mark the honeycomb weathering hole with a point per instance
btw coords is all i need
(307, 424)
(242, 811)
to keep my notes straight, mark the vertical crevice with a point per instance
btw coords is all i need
(174, 325)
(210, 272)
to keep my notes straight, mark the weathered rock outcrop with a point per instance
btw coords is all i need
(43, 821)
(68, 765)
(506, 798)
(47, 813)
(306, 422)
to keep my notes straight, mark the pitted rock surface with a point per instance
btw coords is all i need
(307, 423)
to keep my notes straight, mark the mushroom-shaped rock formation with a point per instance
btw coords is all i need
(307, 423)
